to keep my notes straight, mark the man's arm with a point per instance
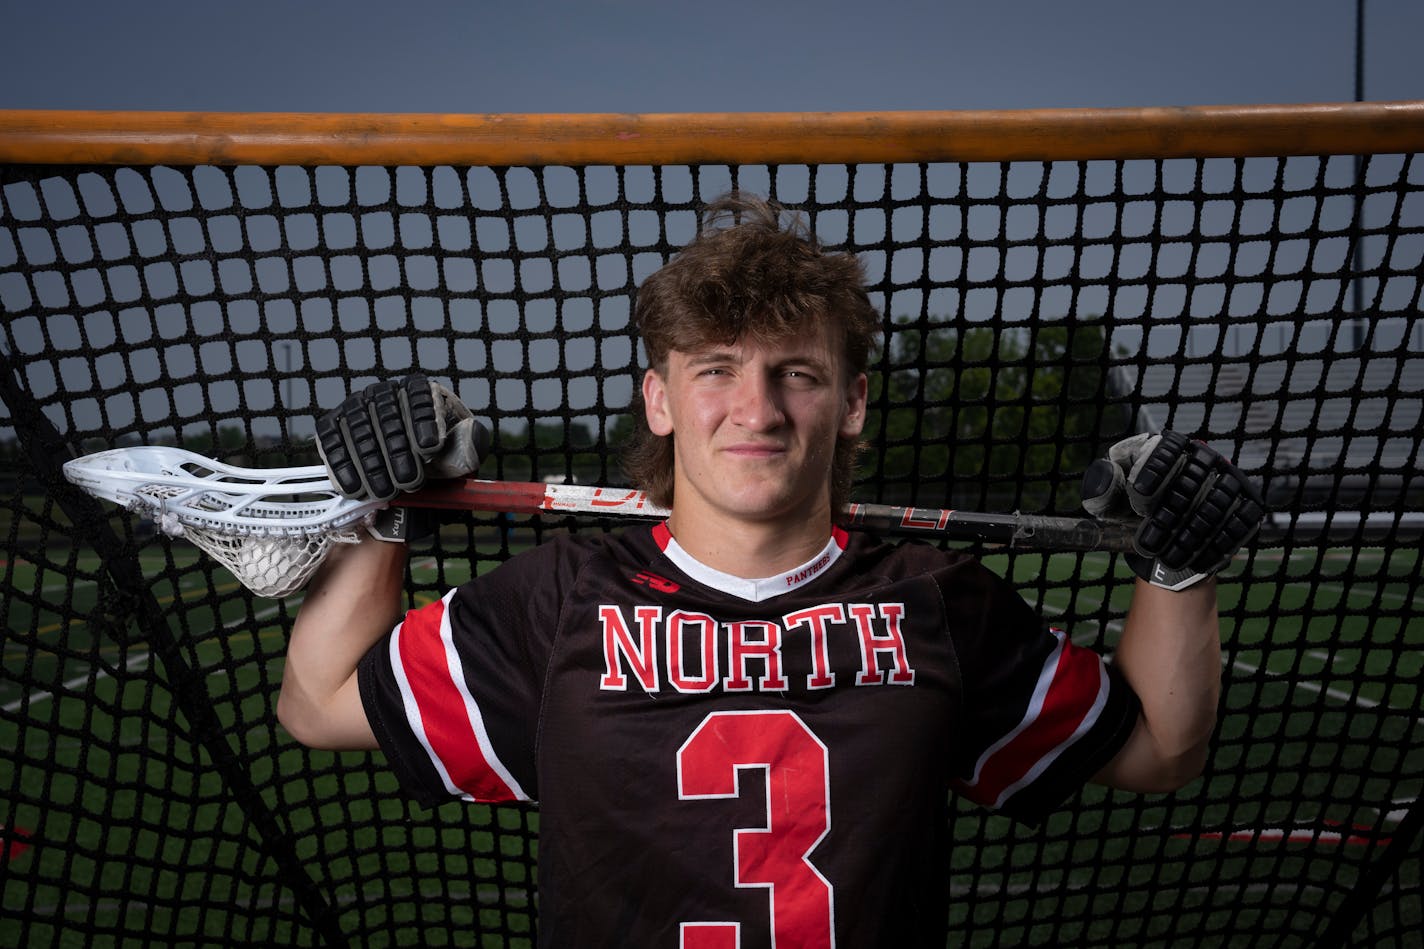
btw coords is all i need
(1170, 653)
(380, 441)
(1197, 509)
(352, 601)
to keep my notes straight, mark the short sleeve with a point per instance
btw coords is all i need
(1041, 715)
(453, 693)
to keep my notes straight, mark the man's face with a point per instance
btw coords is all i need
(755, 426)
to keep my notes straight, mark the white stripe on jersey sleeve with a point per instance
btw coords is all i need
(1046, 676)
(1083, 728)
(472, 710)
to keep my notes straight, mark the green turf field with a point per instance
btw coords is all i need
(121, 819)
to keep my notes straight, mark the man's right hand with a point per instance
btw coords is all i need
(392, 435)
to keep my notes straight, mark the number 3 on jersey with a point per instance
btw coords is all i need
(794, 764)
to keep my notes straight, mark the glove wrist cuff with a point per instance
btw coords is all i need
(1160, 575)
(400, 525)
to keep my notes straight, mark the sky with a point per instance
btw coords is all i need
(673, 56)
(483, 56)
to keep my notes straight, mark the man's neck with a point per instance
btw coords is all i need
(750, 549)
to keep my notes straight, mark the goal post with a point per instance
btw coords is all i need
(1050, 281)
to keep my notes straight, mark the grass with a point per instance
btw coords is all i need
(132, 829)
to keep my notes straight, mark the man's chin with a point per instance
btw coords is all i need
(771, 507)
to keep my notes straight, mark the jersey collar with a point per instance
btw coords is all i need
(756, 590)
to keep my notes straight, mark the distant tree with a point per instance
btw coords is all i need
(229, 442)
(993, 416)
(548, 449)
(938, 396)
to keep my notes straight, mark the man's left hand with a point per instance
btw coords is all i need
(1196, 507)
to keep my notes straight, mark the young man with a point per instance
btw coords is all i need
(741, 724)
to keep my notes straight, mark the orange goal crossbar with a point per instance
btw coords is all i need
(236, 138)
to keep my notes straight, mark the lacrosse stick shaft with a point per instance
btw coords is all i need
(210, 499)
(1013, 530)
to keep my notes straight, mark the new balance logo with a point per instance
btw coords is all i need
(655, 582)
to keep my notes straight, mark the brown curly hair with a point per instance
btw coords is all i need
(746, 275)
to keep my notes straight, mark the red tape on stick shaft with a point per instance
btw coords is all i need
(514, 497)
(520, 497)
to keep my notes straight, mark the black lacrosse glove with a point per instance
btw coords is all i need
(390, 437)
(1196, 508)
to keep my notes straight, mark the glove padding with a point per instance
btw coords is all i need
(392, 435)
(1197, 509)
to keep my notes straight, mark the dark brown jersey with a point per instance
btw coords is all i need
(718, 760)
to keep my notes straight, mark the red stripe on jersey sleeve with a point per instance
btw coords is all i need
(1075, 691)
(449, 720)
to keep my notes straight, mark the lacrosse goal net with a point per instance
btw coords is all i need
(1050, 281)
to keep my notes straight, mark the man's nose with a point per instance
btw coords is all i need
(758, 403)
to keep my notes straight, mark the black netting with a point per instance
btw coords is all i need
(1034, 312)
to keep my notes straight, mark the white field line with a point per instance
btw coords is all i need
(77, 583)
(1237, 663)
(1323, 657)
(426, 563)
(37, 697)
(1371, 596)
(1397, 814)
(133, 660)
(82, 582)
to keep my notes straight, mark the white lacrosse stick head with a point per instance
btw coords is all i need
(271, 527)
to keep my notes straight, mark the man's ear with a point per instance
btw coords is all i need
(655, 406)
(857, 394)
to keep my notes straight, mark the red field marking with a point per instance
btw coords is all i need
(1354, 835)
(17, 843)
